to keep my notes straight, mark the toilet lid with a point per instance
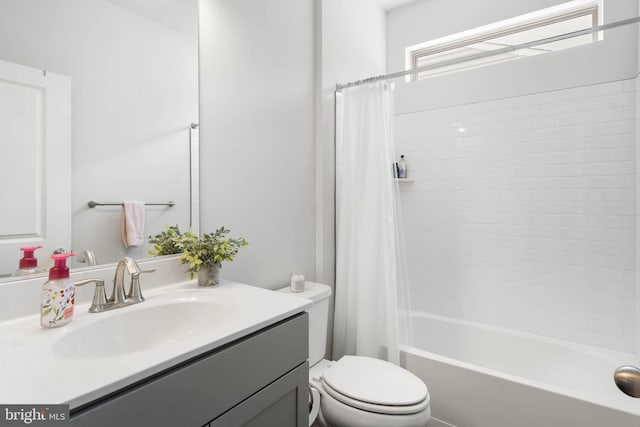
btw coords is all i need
(375, 382)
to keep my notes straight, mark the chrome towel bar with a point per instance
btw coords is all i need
(93, 204)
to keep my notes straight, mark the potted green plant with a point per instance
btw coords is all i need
(203, 255)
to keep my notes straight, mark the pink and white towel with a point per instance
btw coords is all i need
(133, 223)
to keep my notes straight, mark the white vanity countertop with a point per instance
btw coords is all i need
(97, 354)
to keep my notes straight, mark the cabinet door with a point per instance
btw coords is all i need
(199, 391)
(284, 403)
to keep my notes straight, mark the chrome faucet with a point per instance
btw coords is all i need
(87, 256)
(118, 296)
(99, 296)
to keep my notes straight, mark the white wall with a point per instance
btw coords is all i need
(608, 60)
(638, 202)
(257, 134)
(352, 47)
(637, 237)
(128, 141)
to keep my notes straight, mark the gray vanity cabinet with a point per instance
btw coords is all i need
(258, 380)
(272, 405)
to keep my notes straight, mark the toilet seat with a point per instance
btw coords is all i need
(375, 385)
(371, 407)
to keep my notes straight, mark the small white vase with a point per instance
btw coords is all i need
(209, 275)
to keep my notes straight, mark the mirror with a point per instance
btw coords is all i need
(133, 71)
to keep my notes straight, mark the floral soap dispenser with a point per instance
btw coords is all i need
(58, 294)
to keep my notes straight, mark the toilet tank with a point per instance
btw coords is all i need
(318, 317)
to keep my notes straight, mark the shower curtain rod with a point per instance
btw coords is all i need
(507, 49)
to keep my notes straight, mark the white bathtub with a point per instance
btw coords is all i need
(480, 376)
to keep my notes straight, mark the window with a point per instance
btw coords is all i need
(558, 20)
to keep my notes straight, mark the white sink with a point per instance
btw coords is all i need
(100, 353)
(143, 329)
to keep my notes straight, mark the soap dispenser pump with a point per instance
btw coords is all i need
(58, 294)
(28, 263)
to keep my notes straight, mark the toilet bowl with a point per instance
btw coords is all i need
(357, 391)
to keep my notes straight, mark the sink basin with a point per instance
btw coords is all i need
(101, 353)
(142, 329)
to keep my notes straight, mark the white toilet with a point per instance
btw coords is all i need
(357, 391)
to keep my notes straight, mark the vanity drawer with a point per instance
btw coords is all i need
(197, 391)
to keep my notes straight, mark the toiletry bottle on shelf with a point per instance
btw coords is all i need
(402, 167)
(58, 294)
(28, 263)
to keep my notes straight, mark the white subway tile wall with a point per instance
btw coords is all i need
(522, 212)
(637, 347)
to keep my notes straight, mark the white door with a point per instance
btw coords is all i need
(35, 163)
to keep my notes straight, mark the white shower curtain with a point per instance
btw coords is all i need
(371, 286)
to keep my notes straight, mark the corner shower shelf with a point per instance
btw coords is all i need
(403, 179)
